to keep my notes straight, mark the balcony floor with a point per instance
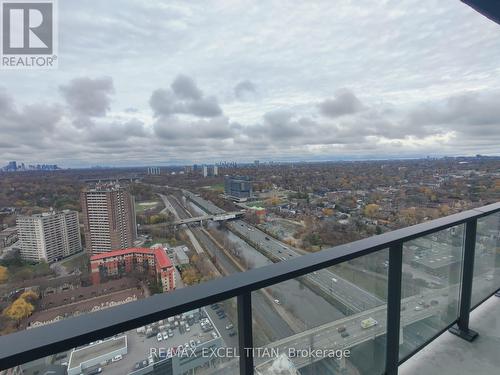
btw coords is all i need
(450, 355)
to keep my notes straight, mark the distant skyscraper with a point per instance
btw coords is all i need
(49, 236)
(154, 171)
(216, 170)
(205, 171)
(108, 218)
(11, 167)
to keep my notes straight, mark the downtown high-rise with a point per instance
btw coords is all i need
(108, 218)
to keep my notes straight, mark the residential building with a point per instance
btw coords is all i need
(49, 236)
(7, 237)
(153, 262)
(108, 218)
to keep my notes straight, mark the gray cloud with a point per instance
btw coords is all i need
(343, 103)
(183, 98)
(174, 129)
(245, 90)
(88, 97)
(185, 88)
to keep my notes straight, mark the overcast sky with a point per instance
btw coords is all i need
(163, 82)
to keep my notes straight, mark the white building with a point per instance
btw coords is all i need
(49, 236)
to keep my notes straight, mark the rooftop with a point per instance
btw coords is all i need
(159, 253)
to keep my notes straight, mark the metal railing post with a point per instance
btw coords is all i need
(393, 308)
(461, 329)
(245, 335)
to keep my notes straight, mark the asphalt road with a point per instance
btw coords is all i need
(354, 297)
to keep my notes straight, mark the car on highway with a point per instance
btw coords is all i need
(418, 308)
(344, 334)
(369, 322)
(341, 329)
(267, 238)
(277, 301)
(117, 358)
(94, 371)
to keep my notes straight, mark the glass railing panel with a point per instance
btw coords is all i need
(430, 287)
(486, 279)
(201, 341)
(332, 321)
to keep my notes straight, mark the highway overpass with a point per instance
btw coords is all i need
(216, 217)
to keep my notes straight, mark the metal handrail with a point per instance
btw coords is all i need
(24, 346)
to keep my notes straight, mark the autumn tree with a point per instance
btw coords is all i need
(4, 274)
(19, 309)
(371, 210)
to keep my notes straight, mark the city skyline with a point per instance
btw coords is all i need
(314, 85)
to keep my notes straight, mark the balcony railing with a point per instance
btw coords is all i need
(397, 310)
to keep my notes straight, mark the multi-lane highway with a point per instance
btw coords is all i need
(349, 294)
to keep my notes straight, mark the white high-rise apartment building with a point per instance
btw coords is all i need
(49, 236)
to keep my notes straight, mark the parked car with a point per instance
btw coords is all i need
(159, 337)
(229, 326)
(232, 333)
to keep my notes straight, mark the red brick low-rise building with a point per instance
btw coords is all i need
(154, 262)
